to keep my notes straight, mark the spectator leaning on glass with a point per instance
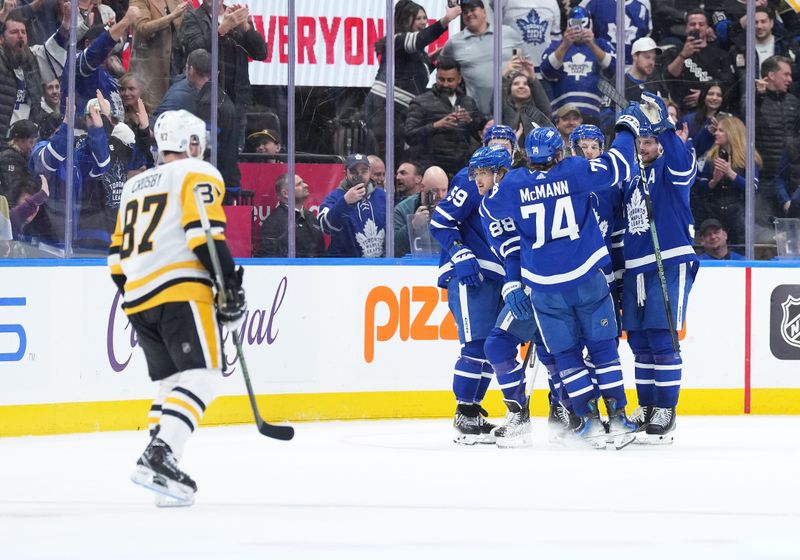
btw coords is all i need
(412, 69)
(273, 241)
(418, 207)
(20, 82)
(354, 213)
(156, 53)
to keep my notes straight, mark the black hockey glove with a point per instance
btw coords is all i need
(231, 312)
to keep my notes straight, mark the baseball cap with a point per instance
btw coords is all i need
(354, 159)
(565, 110)
(709, 224)
(472, 4)
(23, 128)
(644, 44)
(266, 134)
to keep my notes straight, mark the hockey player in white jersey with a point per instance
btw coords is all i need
(562, 255)
(670, 168)
(159, 260)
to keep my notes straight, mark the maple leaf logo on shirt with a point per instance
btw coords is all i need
(637, 213)
(602, 223)
(533, 28)
(578, 67)
(371, 240)
(630, 32)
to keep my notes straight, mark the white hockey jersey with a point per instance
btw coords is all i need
(157, 230)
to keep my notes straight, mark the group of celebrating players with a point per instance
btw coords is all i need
(565, 252)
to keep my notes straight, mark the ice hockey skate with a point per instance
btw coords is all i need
(590, 430)
(516, 432)
(157, 470)
(621, 430)
(560, 422)
(661, 429)
(470, 426)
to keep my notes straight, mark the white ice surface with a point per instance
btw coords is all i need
(728, 488)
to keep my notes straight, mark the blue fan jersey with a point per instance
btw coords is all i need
(604, 22)
(457, 218)
(670, 177)
(554, 214)
(574, 81)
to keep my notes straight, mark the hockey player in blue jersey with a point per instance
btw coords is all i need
(562, 255)
(473, 276)
(670, 168)
(573, 66)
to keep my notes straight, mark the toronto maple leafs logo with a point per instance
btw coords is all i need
(371, 240)
(533, 28)
(630, 32)
(578, 67)
(602, 223)
(637, 214)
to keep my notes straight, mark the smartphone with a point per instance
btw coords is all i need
(514, 52)
(453, 3)
(694, 34)
(723, 154)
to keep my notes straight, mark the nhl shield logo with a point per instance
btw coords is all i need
(790, 322)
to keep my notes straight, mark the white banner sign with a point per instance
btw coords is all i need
(335, 40)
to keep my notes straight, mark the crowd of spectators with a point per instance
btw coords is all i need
(554, 54)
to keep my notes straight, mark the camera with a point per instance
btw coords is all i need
(453, 3)
(430, 200)
(514, 52)
(723, 154)
(352, 180)
(694, 34)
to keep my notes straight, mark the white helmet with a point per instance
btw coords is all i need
(176, 131)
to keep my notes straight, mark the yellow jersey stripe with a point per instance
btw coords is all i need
(184, 291)
(132, 285)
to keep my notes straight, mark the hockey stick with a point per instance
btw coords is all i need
(270, 430)
(607, 89)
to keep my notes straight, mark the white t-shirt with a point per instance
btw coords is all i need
(765, 50)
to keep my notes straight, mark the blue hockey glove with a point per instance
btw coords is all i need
(517, 300)
(631, 119)
(656, 112)
(467, 268)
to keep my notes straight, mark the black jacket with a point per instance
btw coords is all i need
(227, 144)
(707, 65)
(777, 127)
(234, 49)
(8, 89)
(450, 148)
(274, 238)
(13, 173)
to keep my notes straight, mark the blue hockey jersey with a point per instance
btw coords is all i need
(457, 218)
(554, 213)
(357, 230)
(604, 22)
(670, 179)
(609, 215)
(574, 81)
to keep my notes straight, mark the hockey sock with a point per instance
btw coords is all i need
(185, 405)
(667, 369)
(607, 370)
(501, 351)
(575, 378)
(487, 373)
(644, 367)
(154, 416)
(468, 372)
(592, 375)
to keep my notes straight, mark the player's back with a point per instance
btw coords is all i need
(157, 229)
(560, 238)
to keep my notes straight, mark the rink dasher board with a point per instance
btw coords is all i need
(351, 339)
